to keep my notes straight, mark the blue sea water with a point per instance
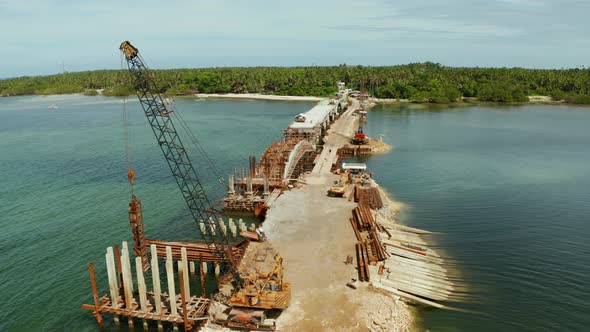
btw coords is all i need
(510, 189)
(64, 191)
(507, 186)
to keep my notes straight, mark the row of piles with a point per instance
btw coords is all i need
(154, 305)
(211, 228)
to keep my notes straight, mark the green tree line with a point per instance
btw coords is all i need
(418, 82)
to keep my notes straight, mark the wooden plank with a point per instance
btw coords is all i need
(410, 296)
(420, 290)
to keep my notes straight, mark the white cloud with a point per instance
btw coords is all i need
(85, 34)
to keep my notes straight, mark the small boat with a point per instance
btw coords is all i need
(52, 107)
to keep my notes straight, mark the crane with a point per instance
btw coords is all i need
(274, 294)
(158, 116)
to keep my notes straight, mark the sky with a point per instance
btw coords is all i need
(42, 37)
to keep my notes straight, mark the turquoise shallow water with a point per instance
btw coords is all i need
(64, 192)
(508, 186)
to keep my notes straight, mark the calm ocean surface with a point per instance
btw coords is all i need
(508, 186)
(64, 192)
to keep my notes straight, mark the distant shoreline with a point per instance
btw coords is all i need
(466, 100)
(257, 96)
(420, 82)
(532, 99)
(546, 100)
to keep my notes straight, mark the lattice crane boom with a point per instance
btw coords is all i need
(175, 153)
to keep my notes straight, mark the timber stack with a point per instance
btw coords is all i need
(395, 258)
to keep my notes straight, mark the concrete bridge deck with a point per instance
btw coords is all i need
(312, 232)
(338, 135)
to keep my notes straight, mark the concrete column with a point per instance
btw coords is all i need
(156, 283)
(191, 266)
(127, 281)
(223, 227)
(141, 288)
(184, 278)
(217, 269)
(112, 275)
(204, 267)
(266, 193)
(249, 190)
(231, 189)
(232, 227)
(202, 226)
(185, 268)
(125, 251)
(211, 226)
(127, 278)
(170, 279)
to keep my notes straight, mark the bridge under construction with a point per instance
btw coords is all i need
(249, 271)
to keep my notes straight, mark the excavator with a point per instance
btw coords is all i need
(254, 293)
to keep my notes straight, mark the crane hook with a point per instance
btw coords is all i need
(131, 177)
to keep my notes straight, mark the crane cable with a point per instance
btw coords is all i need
(192, 138)
(183, 124)
(200, 148)
(196, 144)
(130, 170)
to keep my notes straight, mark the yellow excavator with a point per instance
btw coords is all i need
(262, 291)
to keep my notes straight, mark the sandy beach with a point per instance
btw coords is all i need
(257, 96)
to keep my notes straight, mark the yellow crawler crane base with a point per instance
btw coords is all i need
(264, 291)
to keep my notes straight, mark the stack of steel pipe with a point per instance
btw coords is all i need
(378, 248)
(364, 217)
(354, 225)
(362, 262)
(370, 197)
